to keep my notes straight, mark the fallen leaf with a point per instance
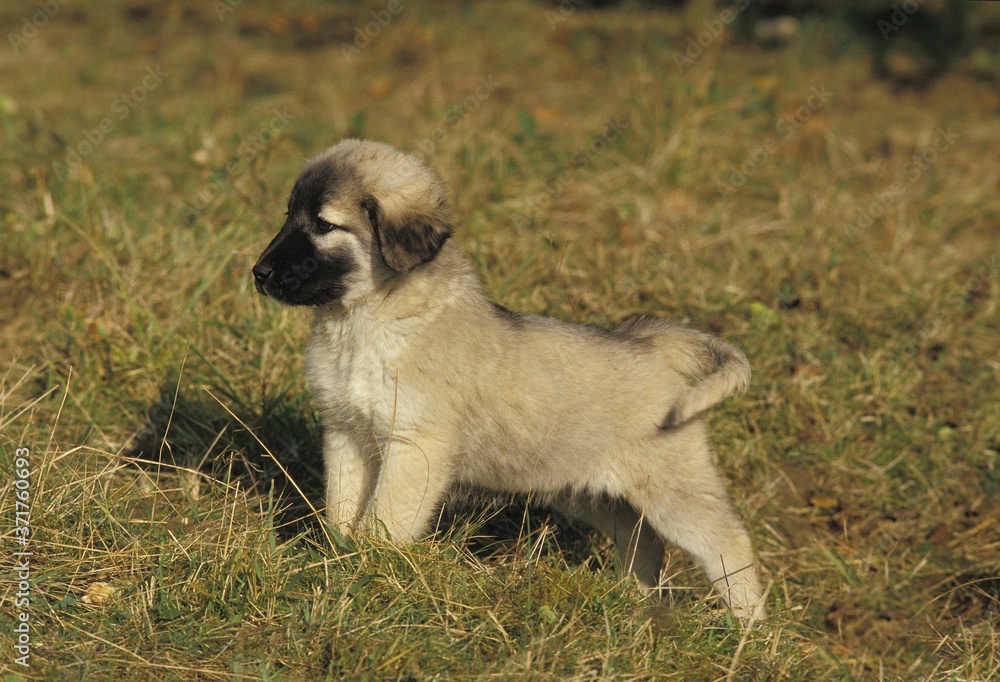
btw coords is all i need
(98, 593)
(940, 535)
(826, 504)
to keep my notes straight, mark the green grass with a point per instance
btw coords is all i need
(151, 383)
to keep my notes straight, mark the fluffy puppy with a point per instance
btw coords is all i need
(422, 382)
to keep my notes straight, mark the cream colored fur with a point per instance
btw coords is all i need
(422, 383)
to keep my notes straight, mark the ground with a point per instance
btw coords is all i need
(842, 229)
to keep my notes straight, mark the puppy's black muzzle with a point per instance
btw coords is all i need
(272, 275)
(292, 271)
(262, 273)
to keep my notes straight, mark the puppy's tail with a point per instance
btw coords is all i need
(718, 368)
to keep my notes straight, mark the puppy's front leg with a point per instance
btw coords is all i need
(350, 477)
(412, 482)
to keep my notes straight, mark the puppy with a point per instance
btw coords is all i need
(422, 382)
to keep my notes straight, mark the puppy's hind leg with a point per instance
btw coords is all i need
(640, 550)
(694, 513)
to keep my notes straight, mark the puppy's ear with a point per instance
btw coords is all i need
(407, 236)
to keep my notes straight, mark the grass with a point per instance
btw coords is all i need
(592, 180)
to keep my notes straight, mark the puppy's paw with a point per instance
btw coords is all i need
(747, 614)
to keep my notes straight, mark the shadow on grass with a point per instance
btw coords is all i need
(494, 526)
(187, 429)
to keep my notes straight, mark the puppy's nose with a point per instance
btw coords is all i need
(261, 273)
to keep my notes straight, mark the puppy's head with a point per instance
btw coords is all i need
(359, 214)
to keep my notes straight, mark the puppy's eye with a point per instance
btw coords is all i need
(325, 226)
